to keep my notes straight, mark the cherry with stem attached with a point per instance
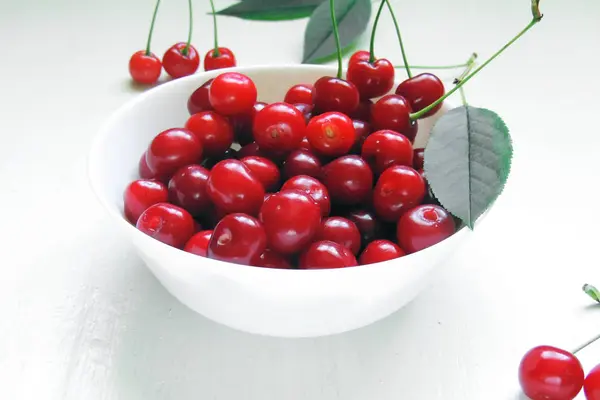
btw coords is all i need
(218, 57)
(182, 58)
(145, 66)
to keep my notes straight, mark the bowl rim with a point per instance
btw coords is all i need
(124, 108)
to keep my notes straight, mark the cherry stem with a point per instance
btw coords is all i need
(406, 66)
(372, 47)
(152, 27)
(216, 52)
(186, 49)
(419, 114)
(586, 344)
(469, 66)
(433, 66)
(336, 34)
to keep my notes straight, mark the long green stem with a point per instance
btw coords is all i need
(186, 49)
(152, 27)
(469, 67)
(584, 345)
(375, 23)
(406, 65)
(336, 34)
(433, 66)
(424, 111)
(216, 52)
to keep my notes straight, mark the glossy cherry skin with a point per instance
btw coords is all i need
(362, 129)
(187, 189)
(167, 223)
(331, 134)
(379, 251)
(198, 244)
(270, 259)
(370, 227)
(550, 373)
(173, 149)
(177, 64)
(232, 93)
(392, 112)
(144, 170)
(251, 149)
(302, 162)
(234, 189)
(348, 179)
(398, 189)
(385, 148)
(225, 59)
(301, 93)
(326, 254)
(264, 170)
(243, 123)
(371, 79)
(291, 219)
(423, 226)
(363, 111)
(421, 91)
(305, 109)
(334, 94)
(213, 130)
(591, 385)
(144, 68)
(418, 158)
(360, 55)
(279, 127)
(141, 194)
(198, 100)
(340, 230)
(312, 187)
(238, 238)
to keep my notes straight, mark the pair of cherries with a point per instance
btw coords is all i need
(179, 60)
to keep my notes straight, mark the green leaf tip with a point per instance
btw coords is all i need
(271, 10)
(468, 160)
(535, 10)
(592, 292)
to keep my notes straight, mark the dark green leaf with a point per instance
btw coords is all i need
(467, 161)
(592, 292)
(352, 18)
(271, 10)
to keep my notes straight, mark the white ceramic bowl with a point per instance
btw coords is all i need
(274, 302)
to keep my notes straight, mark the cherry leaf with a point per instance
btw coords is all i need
(271, 10)
(352, 17)
(592, 292)
(467, 161)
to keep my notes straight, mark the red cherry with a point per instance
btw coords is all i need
(225, 59)
(141, 194)
(360, 55)
(187, 189)
(379, 251)
(421, 91)
(198, 244)
(173, 149)
(213, 130)
(340, 230)
(549, 373)
(418, 158)
(363, 111)
(305, 109)
(167, 223)
(144, 67)
(233, 189)
(385, 148)
(242, 124)
(331, 134)
(327, 254)
(270, 259)
(301, 93)
(348, 179)
(198, 100)
(279, 127)
(312, 187)
(291, 219)
(181, 60)
(143, 168)
(424, 226)
(591, 385)
(371, 79)
(302, 162)
(232, 93)
(238, 238)
(362, 129)
(250, 150)
(367, 223)
(392, 112)
(264, 170)
(398, 189)
(334, 94)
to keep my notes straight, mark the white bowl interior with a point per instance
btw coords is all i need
(290, 303)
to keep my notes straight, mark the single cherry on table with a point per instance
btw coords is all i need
(144, 67)
(181, 60)
(218, 58)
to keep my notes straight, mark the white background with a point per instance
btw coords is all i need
(82, 318)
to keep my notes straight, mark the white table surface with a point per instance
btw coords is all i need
(82, 318)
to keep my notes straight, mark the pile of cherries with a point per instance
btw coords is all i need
(326, 178)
